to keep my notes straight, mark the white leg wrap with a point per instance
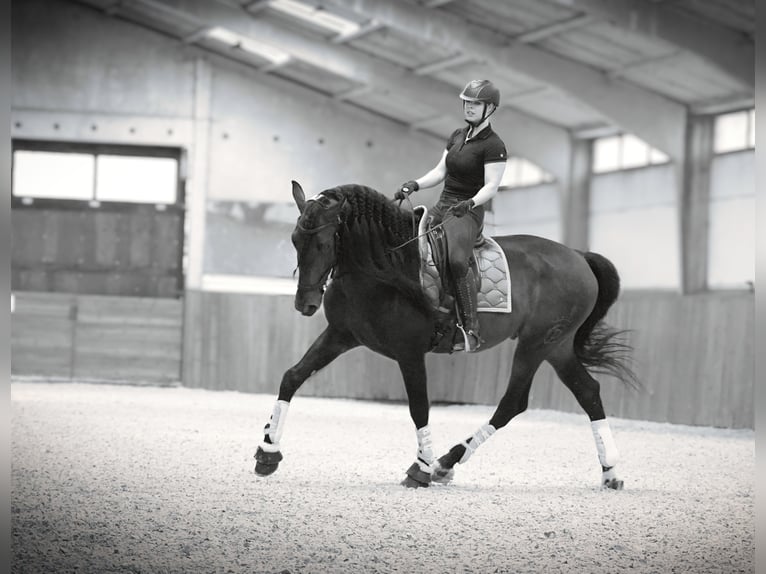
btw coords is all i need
(608, 454)
(479, 437)
(275, 426)
(425, 449)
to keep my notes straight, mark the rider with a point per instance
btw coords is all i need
(471, 168)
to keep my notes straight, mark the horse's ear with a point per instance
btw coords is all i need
(299, 196)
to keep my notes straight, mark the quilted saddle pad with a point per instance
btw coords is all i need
(494, 294)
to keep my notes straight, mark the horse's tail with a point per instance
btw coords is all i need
(599, 347)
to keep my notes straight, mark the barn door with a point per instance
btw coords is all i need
(97, 250)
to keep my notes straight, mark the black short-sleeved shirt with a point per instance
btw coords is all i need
(465, 161)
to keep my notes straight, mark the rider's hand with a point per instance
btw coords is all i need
(405, 189)
(460, 209)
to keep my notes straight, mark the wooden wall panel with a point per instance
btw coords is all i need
(127, 338)
(97, 337)
(115, 249)
(694, 354)
(42, 334)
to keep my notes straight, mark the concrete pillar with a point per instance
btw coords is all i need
(575, 196)
(197, 171)
(694, 203)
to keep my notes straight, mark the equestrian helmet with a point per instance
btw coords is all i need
(481, 91)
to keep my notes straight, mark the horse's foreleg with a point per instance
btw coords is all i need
(322, 352)
(587, 392)
(415, 382)
(515, 400)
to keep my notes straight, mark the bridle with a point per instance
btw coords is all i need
(313, 231)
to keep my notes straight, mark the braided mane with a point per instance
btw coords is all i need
(372, 228)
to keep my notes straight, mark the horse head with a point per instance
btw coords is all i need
(316, 241)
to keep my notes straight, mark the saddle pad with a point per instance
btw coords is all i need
(495, 280)
(495, 289)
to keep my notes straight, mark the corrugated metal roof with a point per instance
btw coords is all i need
(622, 50)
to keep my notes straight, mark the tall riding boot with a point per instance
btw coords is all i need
(466, 302)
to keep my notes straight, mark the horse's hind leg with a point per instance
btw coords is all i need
(586, 390)
(327, 347)
(526, 360)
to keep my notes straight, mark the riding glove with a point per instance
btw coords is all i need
(460, 209)
(406, 189)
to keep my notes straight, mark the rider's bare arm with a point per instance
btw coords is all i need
(493, 174)
(436, 175)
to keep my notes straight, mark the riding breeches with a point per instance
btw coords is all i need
(462, 234)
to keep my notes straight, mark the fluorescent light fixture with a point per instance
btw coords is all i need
(260, 49)
(314, 15)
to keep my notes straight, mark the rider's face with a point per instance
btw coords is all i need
(473, 111)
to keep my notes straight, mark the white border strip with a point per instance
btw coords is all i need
(249, 284)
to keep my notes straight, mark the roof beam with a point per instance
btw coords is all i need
(533, 137)
(556, 28)
(624, 69)
(654, 118)
(363, 30)
(437, 3)
(448, 62)
(733, 53)
(256, 6)
(352, 93)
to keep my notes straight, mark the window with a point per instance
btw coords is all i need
(734, 131)
(731, 225)
(54, 175)
(633, 221)
(520, 172)
(624, 151)
(136, 179)
(59, 171)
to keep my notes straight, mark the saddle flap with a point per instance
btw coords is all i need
(491, 264)
(430, 278)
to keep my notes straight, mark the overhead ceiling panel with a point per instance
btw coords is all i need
(684, 77)
(316, 78)
(296, 24)
(736, 14)
(634, 61)
(158, 16)
(606, 47)
(394, 107)
(401, 49)
(151, 15)
(508, 81)
(234, 53)
(509, 17)
(554, 106)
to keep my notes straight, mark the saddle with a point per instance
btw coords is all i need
(490, 266)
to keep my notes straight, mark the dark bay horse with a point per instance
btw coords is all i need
(375, 299)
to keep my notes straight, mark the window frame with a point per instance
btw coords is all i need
(97, 149)
(748, 137)
(620, 137)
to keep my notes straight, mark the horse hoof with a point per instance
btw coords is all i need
(266, 462)
(410, 482)
(265, 469)
(442, 475)
(612, 484)
(416, 478)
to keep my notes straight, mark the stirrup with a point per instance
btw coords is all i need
(468, 337)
